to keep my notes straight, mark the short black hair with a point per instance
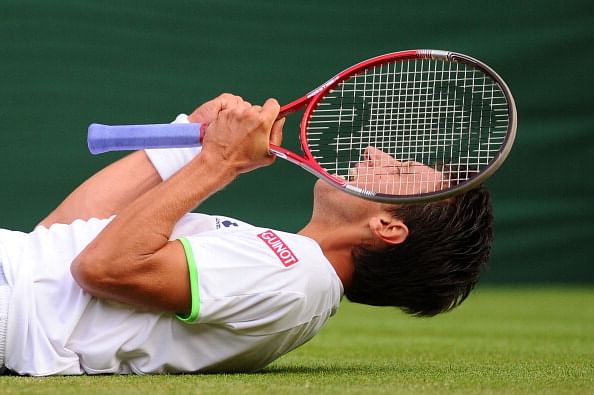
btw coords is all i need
(436, 267)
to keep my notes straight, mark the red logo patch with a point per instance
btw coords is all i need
(280, 249)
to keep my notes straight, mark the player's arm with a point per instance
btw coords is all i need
(113, 188)
(132, 259)
(107, 191)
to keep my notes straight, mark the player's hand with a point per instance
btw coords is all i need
(208, 112)
(240, 134)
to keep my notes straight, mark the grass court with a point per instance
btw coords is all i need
(500, 341)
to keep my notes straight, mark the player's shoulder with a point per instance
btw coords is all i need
(244, 238)
(266, 265)
(193, 224)
(234, 243)
(288, 248)
(301, 256)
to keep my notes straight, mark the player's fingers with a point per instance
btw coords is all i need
(270, 110)
(238, 108)
(227, 100)
(207, 112)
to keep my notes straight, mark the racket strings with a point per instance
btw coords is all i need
(409, 127)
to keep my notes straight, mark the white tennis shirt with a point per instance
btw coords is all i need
(260, 293)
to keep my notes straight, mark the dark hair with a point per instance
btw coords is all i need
(434, 270)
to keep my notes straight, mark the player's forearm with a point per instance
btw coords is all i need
(107, 192)
(155, 213)
(124, 261)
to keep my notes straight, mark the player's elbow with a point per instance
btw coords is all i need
(89, 271)
(107, 274)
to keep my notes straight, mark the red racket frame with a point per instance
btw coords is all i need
(310, 100)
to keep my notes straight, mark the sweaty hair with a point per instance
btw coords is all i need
(436, 267)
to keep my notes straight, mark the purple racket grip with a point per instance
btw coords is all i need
(105, 138)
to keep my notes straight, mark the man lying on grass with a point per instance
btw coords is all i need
(121, 278)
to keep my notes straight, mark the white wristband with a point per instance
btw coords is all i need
(169, 161)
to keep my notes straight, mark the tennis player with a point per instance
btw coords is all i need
(121, 278)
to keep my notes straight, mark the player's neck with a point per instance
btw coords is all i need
(337, 243)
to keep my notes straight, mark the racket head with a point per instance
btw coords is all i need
(446, 122)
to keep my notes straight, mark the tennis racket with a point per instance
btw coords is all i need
(404, 127)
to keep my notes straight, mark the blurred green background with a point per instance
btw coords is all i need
(65, 64)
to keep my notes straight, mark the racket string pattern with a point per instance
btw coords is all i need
(437, 122)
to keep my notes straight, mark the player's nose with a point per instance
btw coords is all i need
(377, 157)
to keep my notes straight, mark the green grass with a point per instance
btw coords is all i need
(500, 341)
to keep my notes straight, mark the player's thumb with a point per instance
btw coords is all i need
(276, 133)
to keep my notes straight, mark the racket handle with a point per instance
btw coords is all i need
(105, 138)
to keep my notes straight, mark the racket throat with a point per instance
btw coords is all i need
(307, 164)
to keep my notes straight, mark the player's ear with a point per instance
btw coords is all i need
(388, 229)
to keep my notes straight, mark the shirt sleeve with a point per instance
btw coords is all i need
(192, 316)
(240, 285)
(168, 161)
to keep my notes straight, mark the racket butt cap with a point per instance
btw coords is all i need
(94, 141)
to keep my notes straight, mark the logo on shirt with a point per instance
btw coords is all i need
(226, 223)
(281, 250)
